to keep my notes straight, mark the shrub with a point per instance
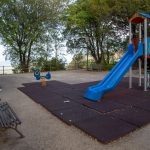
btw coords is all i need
(57, 64)
(107, 67)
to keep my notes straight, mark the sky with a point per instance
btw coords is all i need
(3, 62)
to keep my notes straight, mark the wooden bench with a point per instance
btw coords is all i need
(8, 118)
(97, 67)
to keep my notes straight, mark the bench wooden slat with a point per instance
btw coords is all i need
(4, 119)
(8, 118)
(10, 115)
(1, 121)
(13, 115)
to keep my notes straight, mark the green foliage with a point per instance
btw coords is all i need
(32, 28)
(49, 65)
(101, 26)
(88, 26)
(107, 67)
(122, 10)
(78, 57)
(57, 64)
(16, 69)
(77, 61)
(23, 27)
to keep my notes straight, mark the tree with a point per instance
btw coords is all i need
(57, 41)
(88, 27)
(100, 25)
(77, 59)
(60, 65)
(122, 10)
(23, 27)
(49, 65)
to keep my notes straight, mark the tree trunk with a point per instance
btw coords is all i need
(24, 67)
(108, 56)
(103, 59)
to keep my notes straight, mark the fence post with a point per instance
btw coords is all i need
(87, 61)
(3, 70)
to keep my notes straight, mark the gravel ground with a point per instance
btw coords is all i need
(43, 131)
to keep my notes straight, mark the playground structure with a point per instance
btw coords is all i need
(42, 78)
(136, 50)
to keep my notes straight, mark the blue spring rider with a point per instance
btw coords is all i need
(42, 78)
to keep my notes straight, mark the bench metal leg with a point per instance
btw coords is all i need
(21, 135)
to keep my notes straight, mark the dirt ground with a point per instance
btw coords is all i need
(43, 131)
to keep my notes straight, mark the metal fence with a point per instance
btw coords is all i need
(86, 66)
(6, 70)
(72, 66)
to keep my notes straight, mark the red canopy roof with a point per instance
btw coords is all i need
(139, 17)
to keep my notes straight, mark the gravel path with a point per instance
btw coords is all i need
(43, 131)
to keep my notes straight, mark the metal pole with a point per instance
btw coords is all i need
(130, 72)
(130, 78)
(140, 33)
(140, 62)
(145, 55)
(130, 33)
(148, 79)
(140, 72)
(87, 63)
(3, 70)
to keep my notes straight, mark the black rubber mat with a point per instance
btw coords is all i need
(77, 97)
(104, 106)
(118, 113)
(56, 105)
(143, 105)
(51, 103)
(132, 115)
(52, 83)
(83, 86)
(105, 129)
(75, 114)
(38, 94)
(67, 91)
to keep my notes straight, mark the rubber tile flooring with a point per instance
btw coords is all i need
(120, 112)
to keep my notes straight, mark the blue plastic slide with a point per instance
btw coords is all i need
(111, 80)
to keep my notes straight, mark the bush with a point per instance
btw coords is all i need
(49, 65)
(107, 67)
(57, 64)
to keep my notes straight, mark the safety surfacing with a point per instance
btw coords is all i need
(120, 112)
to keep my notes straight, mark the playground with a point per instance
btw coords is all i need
(84, 110)
(45, 131)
